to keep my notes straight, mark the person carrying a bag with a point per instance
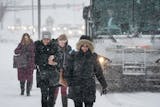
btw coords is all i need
(64, 52)
(25, 67)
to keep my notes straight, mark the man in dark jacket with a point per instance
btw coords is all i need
(47, 73)
(84, 66)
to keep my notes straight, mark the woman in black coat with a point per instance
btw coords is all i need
(84, 67)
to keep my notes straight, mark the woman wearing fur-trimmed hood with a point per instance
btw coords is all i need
(85, 40)
(84, 66)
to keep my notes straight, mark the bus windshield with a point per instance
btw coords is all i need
(126, 16)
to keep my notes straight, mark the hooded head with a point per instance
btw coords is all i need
(85, 40)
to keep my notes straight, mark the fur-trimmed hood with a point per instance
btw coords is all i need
(87, 42)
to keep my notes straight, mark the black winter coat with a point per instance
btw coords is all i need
(44, 70)
(81, 76)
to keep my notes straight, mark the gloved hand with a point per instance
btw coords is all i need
(104, 91)
(157, 61)
(51, 60)
(110, 61)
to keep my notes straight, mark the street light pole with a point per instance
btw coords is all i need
(133, 11)
(39, 18)
(33, 17)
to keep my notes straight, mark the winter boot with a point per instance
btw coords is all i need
(31, 85)
(22, 85)
(28, 88)
(64, 101)
(51, 103)
(44, 104)
(89, 104)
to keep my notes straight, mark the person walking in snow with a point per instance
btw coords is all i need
(83, 68)
(25, 74)
(64, 51)
(47, 74)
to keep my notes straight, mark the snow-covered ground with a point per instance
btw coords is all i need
(10, 91)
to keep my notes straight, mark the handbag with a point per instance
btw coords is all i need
(20, 61)
(62, 81)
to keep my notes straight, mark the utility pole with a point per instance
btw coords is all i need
(133, 11)
(1, 15)
(33, 17)
(39, 19)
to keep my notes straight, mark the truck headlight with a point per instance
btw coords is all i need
(101, 60)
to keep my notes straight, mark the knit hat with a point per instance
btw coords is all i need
(46, 35)
(85, 40)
